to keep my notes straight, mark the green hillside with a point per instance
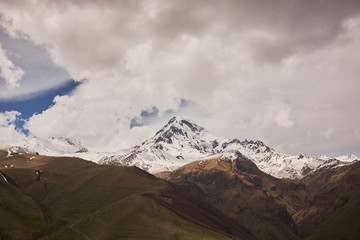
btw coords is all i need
(77, 199)
(343, 223)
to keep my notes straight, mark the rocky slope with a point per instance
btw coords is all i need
(324, 205)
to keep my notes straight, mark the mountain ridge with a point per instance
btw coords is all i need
(182, 141)
(56, 146)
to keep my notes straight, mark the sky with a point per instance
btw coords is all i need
(286, 72)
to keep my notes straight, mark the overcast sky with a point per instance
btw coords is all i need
(286, 72)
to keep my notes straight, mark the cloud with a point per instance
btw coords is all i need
(281, 115)
(26, 57)
(88, 37)
(8, 71)
(8, 131)
(101, 114)
(281, 71)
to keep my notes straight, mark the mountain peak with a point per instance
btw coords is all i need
(177, 119)
(184, 123)
(178, 129)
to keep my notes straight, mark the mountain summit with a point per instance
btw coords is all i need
(182, 141)
(179, 142)
(179, 133)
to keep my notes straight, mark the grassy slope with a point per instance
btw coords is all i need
(134, 217)
(334, 206)
(344, 222)
(19, 214)
(87, 201)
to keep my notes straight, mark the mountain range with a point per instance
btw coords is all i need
(182, 183)
(225, 196)
(182, 141)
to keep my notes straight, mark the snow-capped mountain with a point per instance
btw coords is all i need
(181, 141)
(53, 146)
(176, 144)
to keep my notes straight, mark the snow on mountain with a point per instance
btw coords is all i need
(53, 146)
(15, 149)
(347, 158)
(176, 144)
(181, 141)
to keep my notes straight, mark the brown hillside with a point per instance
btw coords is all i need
(273, 208)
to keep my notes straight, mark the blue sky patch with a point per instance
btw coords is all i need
(33, 104)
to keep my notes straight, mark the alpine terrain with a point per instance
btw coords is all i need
(203, 187)
(46, 146)
(182, 141)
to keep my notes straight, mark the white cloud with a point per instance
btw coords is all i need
(8, 131)
(28, 68)
(100, 116)
(253, 69)
(281, 114)
(8, 71)
(329, 133)
(8, 117)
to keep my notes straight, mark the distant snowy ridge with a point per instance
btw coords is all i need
(181, 141)
(15, 148)
(53, 146)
